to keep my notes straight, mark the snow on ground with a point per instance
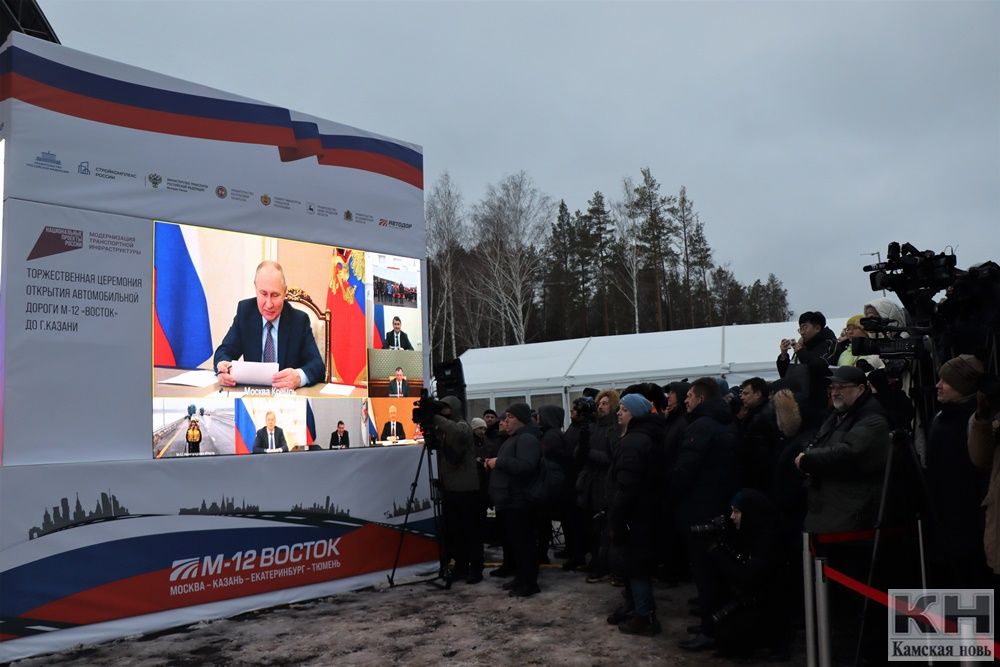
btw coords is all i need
(419, 624)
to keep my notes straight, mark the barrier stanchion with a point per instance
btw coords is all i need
(810, 604)
(822, 614)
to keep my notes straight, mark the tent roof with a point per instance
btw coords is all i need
(737, 351)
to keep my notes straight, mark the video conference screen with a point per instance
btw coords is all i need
(265, 345)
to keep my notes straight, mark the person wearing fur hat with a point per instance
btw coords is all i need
(633, 512)
(955, 485)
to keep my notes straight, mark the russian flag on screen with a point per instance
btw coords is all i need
(372, 429)
(246, 431)
(310, 423)
(182, 337)
(379, 316)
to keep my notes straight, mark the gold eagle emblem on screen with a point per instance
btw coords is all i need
(346, 262)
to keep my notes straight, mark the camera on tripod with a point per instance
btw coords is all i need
(720, 525)
(906, 269)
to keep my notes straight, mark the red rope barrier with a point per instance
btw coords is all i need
(884, 600)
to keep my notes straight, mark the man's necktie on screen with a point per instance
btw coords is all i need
(270, 435)
(268, 343)
(397, 340)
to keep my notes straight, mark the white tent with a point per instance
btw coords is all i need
(541, 372)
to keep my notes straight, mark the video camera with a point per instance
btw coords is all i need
(449, 380)
(720, 525)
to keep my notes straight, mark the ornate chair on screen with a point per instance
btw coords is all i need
(321, 325)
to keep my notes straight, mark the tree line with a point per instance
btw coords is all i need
(515, 267)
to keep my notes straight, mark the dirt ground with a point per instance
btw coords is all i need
(419, 624)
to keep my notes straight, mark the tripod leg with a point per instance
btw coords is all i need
(406, 518)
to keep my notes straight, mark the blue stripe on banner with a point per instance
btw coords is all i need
(370, 145)
(63, 575)
(181, 305)
(105, 88)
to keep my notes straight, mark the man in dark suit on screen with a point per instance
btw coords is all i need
(267, 328)
(270, 437)
(340, 438)
(399, 386)
(397, 338)
(393, 430)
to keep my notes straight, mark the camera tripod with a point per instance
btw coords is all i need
(443, 577)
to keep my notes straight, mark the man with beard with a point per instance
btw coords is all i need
(845, 465)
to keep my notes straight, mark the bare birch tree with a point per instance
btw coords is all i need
(628, 227)
(511, 223)
(446, 235)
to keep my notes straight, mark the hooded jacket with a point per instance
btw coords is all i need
(458, 460)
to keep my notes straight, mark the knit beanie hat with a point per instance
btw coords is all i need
(855, 321)
(522, 411)
(636, 404)
(962, 373)
(478, 422)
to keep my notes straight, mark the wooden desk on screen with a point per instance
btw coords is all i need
(212, 391)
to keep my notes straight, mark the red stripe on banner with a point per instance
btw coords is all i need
(303, 148)
(380, 164)
(112, 113)
(883, 599)
(367, 549)
(4, 638)
(289, 148)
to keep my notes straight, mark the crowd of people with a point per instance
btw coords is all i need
(652, 485)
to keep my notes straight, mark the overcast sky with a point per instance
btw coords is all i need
(807, 134)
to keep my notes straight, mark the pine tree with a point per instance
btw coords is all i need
(657, 239)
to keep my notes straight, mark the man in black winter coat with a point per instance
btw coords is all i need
(702, 481)
(759, 438)
(594, 456)
(574, 522)
(554, 448)
(513, 469)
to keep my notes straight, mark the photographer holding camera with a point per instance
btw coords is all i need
(463, 503)
(745, 559)
(813, 352)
